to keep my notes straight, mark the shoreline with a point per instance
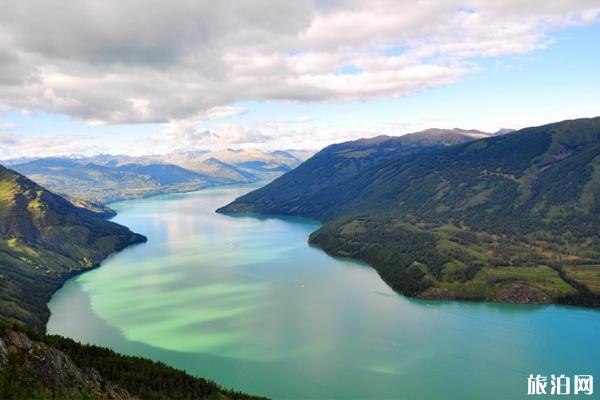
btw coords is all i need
(420, 309)
(72, 274)
(306, 220)
(456, 299)
(565, 302)
(167, 193)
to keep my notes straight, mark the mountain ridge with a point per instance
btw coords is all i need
(505, 218)
(44, 240)
(106, 178)
(339, 162)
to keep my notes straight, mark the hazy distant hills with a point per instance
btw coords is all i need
(512, 217)
(83, 179)
(106, 178)
(246, 165)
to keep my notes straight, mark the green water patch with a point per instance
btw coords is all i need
(247, 302)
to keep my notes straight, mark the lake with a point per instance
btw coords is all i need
(246, 301)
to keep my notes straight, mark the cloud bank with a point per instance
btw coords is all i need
(150, 61)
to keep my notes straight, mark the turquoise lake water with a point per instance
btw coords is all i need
(246, 301)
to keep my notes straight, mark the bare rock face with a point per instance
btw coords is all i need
(3, 354)
(522, 294)
(437, 294)
(55, 369)
(18, 340)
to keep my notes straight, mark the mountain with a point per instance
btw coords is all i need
(164, 174)
(437, 136)
(36, 366)
(105, 178)
(303, 190)
(31, 369)
(235, 157)
(219, 169)
(503, 131)
(512, 218)
(45, 239)
(97, 209)
(113, 181)
(300, 154)
(250, 165)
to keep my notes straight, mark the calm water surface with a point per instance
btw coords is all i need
(247, 302)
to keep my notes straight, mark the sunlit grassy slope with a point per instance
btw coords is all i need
(44, 239)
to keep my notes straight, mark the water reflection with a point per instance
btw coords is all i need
(247, 302)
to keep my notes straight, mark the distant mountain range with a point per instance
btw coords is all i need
(106, 178)
(512, 217)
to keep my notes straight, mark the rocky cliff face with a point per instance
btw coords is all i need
(39, 363)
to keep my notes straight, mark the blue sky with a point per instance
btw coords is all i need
(557, 78)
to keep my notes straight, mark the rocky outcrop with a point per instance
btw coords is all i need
(437, 294)
(522, 294)
(38, 362)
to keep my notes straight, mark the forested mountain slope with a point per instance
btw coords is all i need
(305, 190)
(509, 218)
(44, 239)
(36, 366)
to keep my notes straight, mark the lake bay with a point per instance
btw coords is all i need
(246, 301)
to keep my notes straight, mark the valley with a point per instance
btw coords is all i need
(247, 302)
(439, 214)
(46, 239)
(299, 200)
(106, 178)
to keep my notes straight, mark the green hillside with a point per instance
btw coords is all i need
(508, 218)
(36, 366)
(306, 190)
(44, 239)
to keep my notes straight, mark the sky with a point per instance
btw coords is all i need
(145, 77)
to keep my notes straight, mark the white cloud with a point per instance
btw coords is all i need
(186, 135)
(107, 62)
(224, 112)
(12, 145)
